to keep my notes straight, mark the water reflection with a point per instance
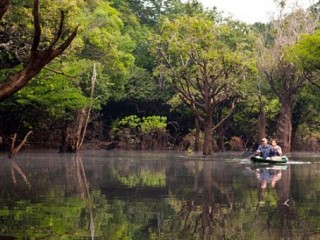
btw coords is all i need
(267, 176)
(127, 195)
(16, 169)
(77, 171)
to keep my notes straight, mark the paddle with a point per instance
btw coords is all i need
(248, 154)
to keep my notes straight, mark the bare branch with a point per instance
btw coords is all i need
(60, 73)
(14, 150)
(38, 59)
(231, 110)
(63, 46)
(165, 57)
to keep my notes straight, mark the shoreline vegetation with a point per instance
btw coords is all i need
(140, 75)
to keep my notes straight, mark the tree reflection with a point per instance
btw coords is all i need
(82, 187)
(55, 212)
(154, 199)
(205, 216)
(16, 168)
(220, 208)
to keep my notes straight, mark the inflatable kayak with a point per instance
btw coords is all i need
(270, 160)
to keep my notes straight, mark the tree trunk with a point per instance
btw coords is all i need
(284, 126)
(83, 116)
(221, 137)
(261, 121)
(4, 5)
(197, 134)
(207, 145)
(66, 139)
(80, 127)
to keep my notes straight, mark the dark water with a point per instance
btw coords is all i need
(167, 195)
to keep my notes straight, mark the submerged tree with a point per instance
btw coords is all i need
(204, 60)
(284, 77)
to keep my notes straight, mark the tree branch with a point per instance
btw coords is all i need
(38, 59)
(227, 116)
(63, 46)
(311, 81)
(164, 57)
(60, 73)
(4, 5)
(14, 150)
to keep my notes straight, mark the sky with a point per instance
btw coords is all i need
(250, 11)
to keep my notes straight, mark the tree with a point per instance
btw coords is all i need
(41, 105)
(306, 55)
(39, 57)
(283, 76)
(107, 45)
(204, 62)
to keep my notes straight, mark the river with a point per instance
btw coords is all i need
(157, 195)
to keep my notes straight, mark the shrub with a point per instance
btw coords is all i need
(148, 133)
(153, 123)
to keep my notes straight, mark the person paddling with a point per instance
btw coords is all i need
(265, 149)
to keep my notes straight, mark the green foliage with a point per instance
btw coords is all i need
(306, 52)
(153, 123)
(131, 121)
(136, 133)
(245, 120)
(141, 86)
(127, 41)
(190, 50)
(57, 96)
(106, 44)
(17, 27)
(57, 93)
(307, 120)
(145, 125)
(47, 99)
(307, 138)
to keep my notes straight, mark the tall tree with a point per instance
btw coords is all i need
(39, 56)
(283, 76)
(104, 42)
(204, 62)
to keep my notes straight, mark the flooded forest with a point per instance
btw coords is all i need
(156, 75)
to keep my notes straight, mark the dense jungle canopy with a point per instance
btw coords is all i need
(157, 74)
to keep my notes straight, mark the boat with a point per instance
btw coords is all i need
(270, 160)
